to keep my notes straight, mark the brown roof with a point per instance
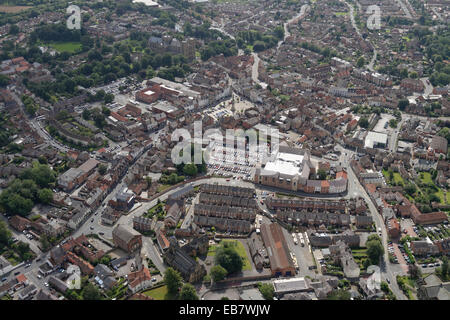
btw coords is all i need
(276, 245)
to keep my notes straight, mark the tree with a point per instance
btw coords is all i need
(322, 174)
(4, 80)
(5, 234)
(218, 273)
(414, 271)
(444, 269)
(266, 290)
(45, 195)
(86, 114)
(14, 29)
(190, 169)
(23, 250)
(90, 292)
(339, 294)
(102, 169)
(41, 174)
(19, 205)
(172, 279)
(361, 61)
(228, 258)
(374, 249)
(363, 123)
(402, 104)
(188, 292)
(410, 189)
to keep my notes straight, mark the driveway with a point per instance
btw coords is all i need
(401, 259)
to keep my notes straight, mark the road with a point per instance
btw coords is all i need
(255, 72)
(386, 268)
(296, 18)
(371, 64)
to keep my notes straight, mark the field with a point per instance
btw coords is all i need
(157, 293)
(239, 249)
(70, 47)
(426, 177)
(397, 178)
(13, 9)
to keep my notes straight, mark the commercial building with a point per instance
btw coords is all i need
(126, 239)
(280, 259)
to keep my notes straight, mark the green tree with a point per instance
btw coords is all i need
(86, 114)
(102, 169)
(190, 169)
(45, 196)
(402, 104)
(444, 269)
(363, 123)
(339, 294)
(414, 271)
(188, 292)
(172, 279)
(374, 249)
(228, 258)
(90, 292)
(361, 61)
(218, 273)
(322, 174)
(5, 234)
(266, 290)
(14, 29)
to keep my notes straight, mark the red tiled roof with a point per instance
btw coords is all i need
(21, 278)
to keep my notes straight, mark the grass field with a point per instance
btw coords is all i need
(240, 249)
(158, 293)
(397, 178)
(426, 177)
(70, 47)
(163, 187)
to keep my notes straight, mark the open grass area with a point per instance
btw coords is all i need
(396, 177)
(160, 293)
(71, 47)
(425, 177)
(441, 195)
(163, 187)
(240, 249)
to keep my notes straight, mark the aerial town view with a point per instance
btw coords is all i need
(224, 150)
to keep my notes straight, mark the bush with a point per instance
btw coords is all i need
(266, 290)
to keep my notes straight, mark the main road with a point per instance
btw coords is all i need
(386, 268)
